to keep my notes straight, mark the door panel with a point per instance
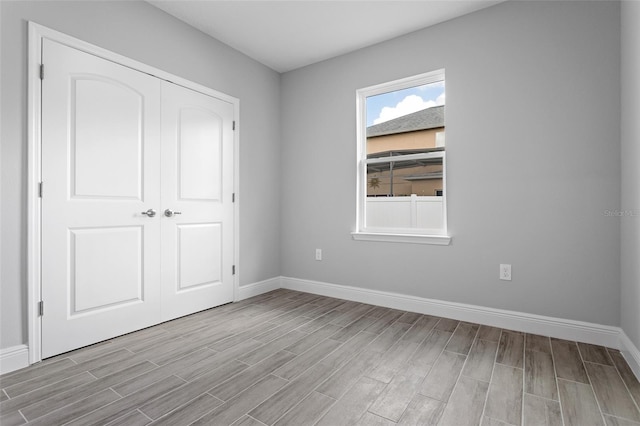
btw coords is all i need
(199, 149)
(197, 181)
(100, 170)
(199, 255)
(98, 147)
(106, 268)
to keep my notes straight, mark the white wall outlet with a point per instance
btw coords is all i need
(318, 254)
(505, 272)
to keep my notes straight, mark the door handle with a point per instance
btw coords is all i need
(150, 212)
(170, 213)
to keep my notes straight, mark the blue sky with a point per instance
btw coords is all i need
(391, 105)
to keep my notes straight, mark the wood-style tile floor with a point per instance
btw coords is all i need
(291, 358)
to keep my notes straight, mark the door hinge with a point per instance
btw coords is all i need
(41, 71)
(233, 197)
(41, 308)
(40, 189)
(234, 125)
(233, 270)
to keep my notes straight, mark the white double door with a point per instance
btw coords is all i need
(118, 146)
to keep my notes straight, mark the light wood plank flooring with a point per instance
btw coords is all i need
(291, 358)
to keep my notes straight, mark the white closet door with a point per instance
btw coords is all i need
(100, 169)
(197, 182)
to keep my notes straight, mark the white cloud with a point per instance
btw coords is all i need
(408, 105)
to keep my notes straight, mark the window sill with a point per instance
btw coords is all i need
(440, 240)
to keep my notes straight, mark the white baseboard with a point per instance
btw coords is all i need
(17, 357)
(255, 289)
(529, 323)
(14, 358)
(630, 353)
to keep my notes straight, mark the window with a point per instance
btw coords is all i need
(401, 161)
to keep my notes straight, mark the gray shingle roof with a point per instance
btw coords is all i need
(429, 118)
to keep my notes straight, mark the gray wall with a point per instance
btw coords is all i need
(630, 225)
(533, 162)
(533, 123)
(144, 33)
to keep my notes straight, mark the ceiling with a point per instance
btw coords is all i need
(285, 35)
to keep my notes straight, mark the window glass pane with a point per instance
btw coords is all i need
(405, 192)
(403, 178)
(407, 121)
(410, 118)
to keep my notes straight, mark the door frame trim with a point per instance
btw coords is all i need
(37, 33)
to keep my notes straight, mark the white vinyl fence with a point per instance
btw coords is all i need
(405, 212)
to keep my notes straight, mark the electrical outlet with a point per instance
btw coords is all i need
(318, 254)
(505, 272)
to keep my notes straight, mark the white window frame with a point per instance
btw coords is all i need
(398, 235)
